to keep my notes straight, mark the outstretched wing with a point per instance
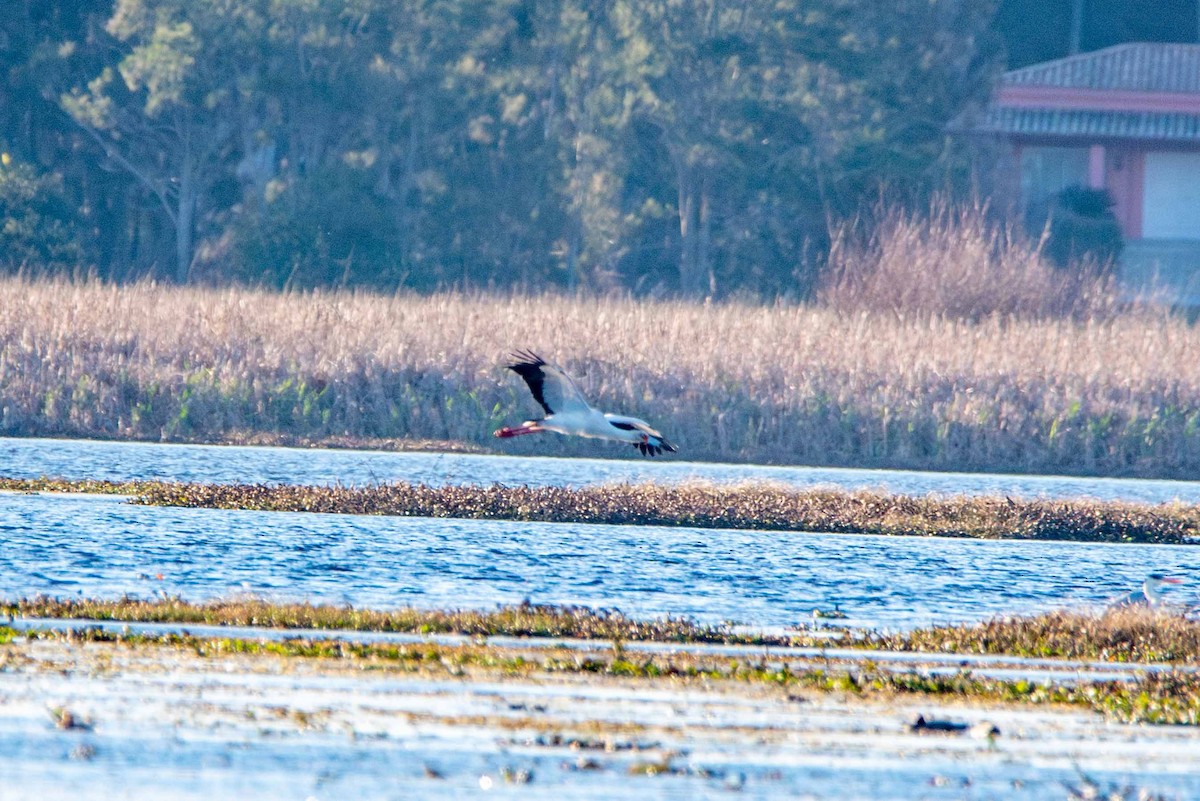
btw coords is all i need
(551, 387)
(655, 443)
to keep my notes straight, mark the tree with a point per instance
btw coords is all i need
(1082, 228)
(170, 118)
(40, 231)
(751, 105)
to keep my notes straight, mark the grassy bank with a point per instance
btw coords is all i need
(752, 506)
(1110, 394)
(521, 620)
(1172, 698)
(1129, 635)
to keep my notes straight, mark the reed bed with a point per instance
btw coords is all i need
(763, 507)
(1122, 635)
(701, 505)
(956, 261)
(1109, 394)
(1156, 698)
(515, 620)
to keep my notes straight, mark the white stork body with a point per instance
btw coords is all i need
(567, 412)
(1148, 595)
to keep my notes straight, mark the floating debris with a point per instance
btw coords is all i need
(830, 614)
(516, 776)
(83, 752)
(922, 725)
(66, 719)
(982, 730)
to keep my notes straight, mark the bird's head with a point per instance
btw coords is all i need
(1159, 579)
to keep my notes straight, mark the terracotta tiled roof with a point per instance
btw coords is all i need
(1139, 66)
(1161, 70)
(1099, 124)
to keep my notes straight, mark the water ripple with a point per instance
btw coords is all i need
(119, 461)
(93, 546)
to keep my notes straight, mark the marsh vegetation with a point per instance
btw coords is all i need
(1126, 635)
(1103, 392)
(765, 507)
(1170, 698)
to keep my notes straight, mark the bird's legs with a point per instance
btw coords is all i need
(528, 427)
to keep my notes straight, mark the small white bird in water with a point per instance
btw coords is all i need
(567, 412)
(1148, 596)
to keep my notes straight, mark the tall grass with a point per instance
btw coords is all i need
(955, 261)
(1112, 394)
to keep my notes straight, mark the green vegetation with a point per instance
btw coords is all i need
(699, 505)
(1154, 698)
(653, 145)
(1132, 635)
(522, 620)
(87, 485)
(40, 232)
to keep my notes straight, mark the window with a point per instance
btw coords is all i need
(1046, 171)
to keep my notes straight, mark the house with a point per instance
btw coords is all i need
(1126, 119)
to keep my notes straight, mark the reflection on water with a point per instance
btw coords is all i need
(97, 546)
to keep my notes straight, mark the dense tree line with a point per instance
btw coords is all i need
(691, 146)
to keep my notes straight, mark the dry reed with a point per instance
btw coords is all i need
(516, 620)
(1162, 698)
(1122, 635)
(791, 384)
(955, 262)
(698, 505)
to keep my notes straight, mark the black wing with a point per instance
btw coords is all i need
(529, 367)
(551, 387)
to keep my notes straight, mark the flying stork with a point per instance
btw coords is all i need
(567, 412)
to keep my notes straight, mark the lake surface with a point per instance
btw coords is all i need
(103, 547)
(118, 461)
(71, 545)
(195, 729)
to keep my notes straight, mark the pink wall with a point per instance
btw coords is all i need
(1097, 99)
(1124, 168)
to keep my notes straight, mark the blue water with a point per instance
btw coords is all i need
(117, 461)
(92, 546)
(69, 545)
(103, 547)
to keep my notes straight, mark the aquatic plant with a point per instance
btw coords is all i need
(1172, 698)
(761, 506)
(703, 505)
(86, 485)
(520, 620)
(1124, 635)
